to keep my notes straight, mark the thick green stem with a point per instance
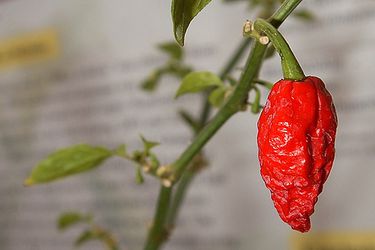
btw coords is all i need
(238, 96)
(283, 12)
(224, 72)
(158, 230)
(231, 107)
(179, 196)
(188, 176)
(154, 240)
(290, 66)
(158, 233)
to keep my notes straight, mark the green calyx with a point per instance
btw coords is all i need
(290, 66)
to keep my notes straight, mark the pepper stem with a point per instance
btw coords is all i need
(290, 66)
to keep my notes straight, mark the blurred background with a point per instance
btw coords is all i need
(70, 72)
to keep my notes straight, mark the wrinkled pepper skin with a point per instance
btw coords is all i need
(296, 136)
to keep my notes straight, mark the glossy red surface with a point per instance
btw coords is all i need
(296, 136)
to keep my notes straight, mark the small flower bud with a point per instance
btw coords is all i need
(248, 26)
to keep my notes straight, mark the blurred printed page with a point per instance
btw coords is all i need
(70, 73)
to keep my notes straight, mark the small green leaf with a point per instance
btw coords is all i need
(216, 98)
(97, 234)
(178, 69)
(151, 82)
(154, 161)
(137, 156)
(71, 218)
(174, 50)
(183, 12)
(147, 145)
(198, 81)
(66, 162)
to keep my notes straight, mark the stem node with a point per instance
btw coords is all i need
(165, 212)
(166, 175)
(291, 68)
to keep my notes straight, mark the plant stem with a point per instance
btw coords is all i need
(224, 72)
(158, 233)
(238, 96)
(290, 66)
(283, 12)
(179, 195)
(277, 18)
(188, 176)
(231, 107)
(153, 240)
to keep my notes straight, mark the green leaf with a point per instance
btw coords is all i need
(198, 81)
(183, 12)
(147, 145)
(174, 50)
(137, 156)
(151, 82)
(66, 162)
(97, 234)
(71, 218)
(178, 69)
(154, 161)
(171, 68)
(217, 96)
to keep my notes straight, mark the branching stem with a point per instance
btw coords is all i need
(158, 230)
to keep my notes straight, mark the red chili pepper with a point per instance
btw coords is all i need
(296, 136)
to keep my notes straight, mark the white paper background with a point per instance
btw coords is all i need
(91, 94)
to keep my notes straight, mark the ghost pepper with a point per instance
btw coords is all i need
(296, 136)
